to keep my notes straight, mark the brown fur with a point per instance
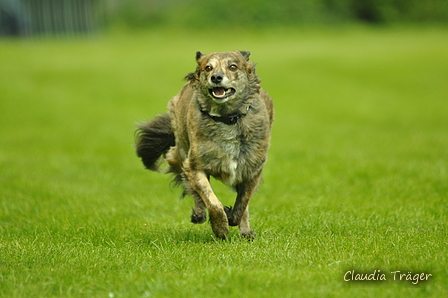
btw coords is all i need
(224, 134)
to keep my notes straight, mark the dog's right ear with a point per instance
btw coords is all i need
(195, 75)
(199, 55)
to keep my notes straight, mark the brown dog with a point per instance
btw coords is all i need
(218, 125)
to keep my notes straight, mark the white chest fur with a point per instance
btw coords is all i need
(230, 150)
(229, 166)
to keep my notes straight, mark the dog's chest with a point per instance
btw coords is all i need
(229, 162)
(225, 154)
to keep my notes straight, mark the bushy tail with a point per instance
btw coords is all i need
(154, 139)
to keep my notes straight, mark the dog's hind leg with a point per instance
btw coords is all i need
(198, 214)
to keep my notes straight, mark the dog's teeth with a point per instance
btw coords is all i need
(219, 92)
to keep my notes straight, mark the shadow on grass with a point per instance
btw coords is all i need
(187, 234)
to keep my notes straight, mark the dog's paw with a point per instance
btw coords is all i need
(229, 213)
(198, 217)
(249, 235)
(228, 210)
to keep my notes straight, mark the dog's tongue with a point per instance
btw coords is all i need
(219, 91)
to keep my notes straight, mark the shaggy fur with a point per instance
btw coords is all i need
(218, 125)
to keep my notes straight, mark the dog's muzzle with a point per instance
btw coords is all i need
(221, 92)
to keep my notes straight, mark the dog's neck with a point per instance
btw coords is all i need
(227, 119)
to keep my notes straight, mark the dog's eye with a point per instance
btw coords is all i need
(233, 67)
(208, 68)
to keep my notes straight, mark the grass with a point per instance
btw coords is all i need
(357, 177)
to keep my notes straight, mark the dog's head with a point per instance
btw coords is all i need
(225, 76)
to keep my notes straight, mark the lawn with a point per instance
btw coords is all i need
(357, 177)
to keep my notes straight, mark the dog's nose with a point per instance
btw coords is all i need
(217, 78)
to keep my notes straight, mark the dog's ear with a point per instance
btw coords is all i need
(245, 54)
(191, 76)
(195, 75)
(199, 55)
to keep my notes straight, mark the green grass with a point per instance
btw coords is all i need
(357, 176)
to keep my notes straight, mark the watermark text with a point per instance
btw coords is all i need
(379, 276)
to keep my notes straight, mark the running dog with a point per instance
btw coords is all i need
(218, 125)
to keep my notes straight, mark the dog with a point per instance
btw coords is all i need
(218, 125)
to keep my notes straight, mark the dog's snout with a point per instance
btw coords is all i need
(217, 78)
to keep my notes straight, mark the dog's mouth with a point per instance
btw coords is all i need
(221, 92)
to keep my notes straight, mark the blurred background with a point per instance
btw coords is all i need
(359, 153)
(41, 17)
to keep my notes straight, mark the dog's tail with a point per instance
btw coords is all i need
(154, 139)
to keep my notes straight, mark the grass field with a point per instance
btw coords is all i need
(357, 177)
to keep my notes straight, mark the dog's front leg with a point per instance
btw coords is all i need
(239, 214)
(201, 185)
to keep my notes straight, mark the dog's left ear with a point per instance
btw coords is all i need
(245, 54)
